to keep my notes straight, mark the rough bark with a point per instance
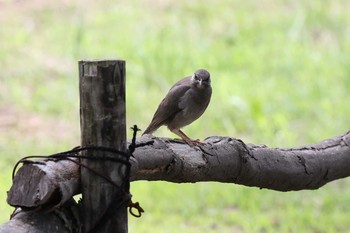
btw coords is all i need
(62, 220)
(221, 159)
(229, 160)
(45, 185)
(102, 120)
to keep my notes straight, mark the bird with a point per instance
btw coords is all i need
(185, 102)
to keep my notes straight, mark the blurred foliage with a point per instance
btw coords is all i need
(280, 75)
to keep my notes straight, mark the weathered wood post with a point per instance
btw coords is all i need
(102, 118)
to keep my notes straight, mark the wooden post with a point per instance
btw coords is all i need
(102, 118)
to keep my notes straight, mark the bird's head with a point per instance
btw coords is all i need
(201, 79)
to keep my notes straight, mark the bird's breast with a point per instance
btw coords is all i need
(192, 104)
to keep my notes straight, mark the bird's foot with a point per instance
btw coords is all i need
(189, 141)
(194, 143)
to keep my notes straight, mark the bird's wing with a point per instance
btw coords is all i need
(169, 106)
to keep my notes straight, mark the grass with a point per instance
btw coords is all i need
(280, 75)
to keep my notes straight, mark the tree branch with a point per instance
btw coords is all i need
(63, 220)
(220, 159)
(229, 160)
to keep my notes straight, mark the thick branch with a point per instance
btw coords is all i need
(62, 220)
(229, 160)
(221, 159)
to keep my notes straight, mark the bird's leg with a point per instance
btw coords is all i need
(188, 140)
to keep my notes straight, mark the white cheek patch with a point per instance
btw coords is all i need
(193, 79)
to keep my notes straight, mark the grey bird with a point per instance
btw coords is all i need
(185, 102)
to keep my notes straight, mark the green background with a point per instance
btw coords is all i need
(280, 75)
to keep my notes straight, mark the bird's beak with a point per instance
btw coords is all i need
(200, 83)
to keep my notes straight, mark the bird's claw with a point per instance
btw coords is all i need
(194, 143)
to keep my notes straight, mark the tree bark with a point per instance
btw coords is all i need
(63, 220)
(102, 120)
(220, 159)
(229, 160)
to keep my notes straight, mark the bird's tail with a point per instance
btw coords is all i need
(151, 128)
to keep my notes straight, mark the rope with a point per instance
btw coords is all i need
(124, 197)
